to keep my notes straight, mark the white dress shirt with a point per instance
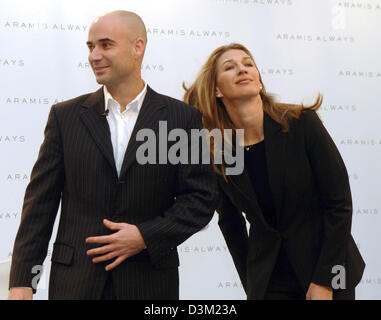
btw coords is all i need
(122, 124)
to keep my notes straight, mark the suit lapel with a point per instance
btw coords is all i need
(152, 111)
(243, 184)
(275, 145)
(91, 116)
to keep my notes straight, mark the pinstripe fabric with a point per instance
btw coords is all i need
(75, 165)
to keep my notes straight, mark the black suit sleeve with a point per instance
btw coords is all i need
(196, 200)
(40, 207)
(233, 227)
(333, 185)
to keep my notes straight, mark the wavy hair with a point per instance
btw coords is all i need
(202, 95)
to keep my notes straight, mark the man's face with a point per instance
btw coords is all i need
(111, 51)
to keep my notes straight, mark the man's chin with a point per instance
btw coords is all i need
(100, 80)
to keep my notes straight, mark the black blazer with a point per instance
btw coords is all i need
(76, 167)
(310, 189)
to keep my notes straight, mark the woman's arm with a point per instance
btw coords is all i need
(333, 185)
(233, 227)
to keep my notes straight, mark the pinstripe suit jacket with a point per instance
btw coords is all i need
(76, 168)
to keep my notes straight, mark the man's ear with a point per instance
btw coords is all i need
(139, 48)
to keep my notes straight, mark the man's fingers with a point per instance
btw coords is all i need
(109, 238)
(112, 225)
(117, 262)
(107, 256)
(100, 250)
(100, 239)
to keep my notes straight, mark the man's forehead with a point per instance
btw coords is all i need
(114, 26)
(102, 40)
(101, 30)
(110, 17)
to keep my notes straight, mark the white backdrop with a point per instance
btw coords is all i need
(301, 47)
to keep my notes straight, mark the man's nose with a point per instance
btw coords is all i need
(95, 54)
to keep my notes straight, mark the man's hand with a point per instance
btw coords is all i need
(21, 293)
(317, 292)
(124, 243)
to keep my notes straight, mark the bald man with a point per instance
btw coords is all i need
(120, 221)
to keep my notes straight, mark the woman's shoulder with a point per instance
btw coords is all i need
(311, 120)
(308, 119)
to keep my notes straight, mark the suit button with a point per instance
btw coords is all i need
(121, 181)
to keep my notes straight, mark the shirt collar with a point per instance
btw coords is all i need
(134, 105)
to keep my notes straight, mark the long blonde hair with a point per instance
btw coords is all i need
(202, 95)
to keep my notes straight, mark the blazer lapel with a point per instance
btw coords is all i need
(243, 184)
(275, 145)
(93, 108)
(152, 111)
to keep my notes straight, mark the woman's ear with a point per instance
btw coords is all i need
(218, 93)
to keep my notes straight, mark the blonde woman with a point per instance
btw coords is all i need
(294, 189)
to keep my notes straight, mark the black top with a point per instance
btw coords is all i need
(255, 163)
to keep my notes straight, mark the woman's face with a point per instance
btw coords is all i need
(237, 76)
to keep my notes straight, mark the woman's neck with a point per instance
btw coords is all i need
(248, 115)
